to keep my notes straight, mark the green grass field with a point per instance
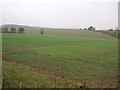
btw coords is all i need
(71, 56)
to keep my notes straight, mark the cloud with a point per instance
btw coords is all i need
(61, 13)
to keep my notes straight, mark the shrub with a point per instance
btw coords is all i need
(21, 30)
(13, 30)
(80, 29)
(91, 28)
(41, 31)
(110, 30)
(85, 29)
(5, 29)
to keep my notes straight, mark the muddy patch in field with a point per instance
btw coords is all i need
(14, 61)
(108, 81)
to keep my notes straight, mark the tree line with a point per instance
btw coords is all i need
(91, 28)
(12, 30)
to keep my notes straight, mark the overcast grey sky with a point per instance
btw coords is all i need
(102, 14)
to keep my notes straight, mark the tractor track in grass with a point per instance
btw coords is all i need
(44, 72)
(111, 80)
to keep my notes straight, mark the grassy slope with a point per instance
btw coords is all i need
(83, 56)
(21, 76)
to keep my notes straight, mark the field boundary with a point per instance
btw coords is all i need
(117, 36)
